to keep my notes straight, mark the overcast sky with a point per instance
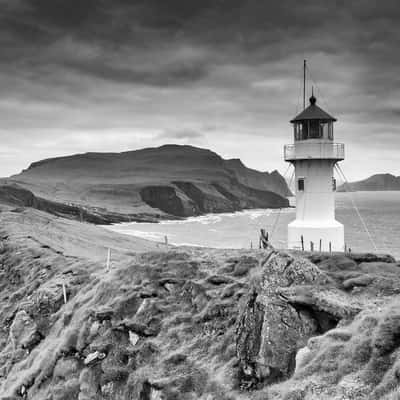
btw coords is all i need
(116, 75)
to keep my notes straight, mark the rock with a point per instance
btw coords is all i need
(370, 257)
(104, 313)
(133, 338)
(292, 301)
(244, 265)
(357, 282)
(301, 356)
(219, 280)
(23, 331)
(338, 263)
(94, 357)
(151, 329)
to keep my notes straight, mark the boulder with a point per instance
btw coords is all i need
(292, 301)
(24, 332)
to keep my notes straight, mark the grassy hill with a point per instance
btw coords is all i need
(188, 323)
(171, 180)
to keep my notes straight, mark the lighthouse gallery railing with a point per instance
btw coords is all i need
(306, 150)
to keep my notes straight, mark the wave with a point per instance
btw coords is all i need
(154, 236)
(215, 218)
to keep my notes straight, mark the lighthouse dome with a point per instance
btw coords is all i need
(313, 112)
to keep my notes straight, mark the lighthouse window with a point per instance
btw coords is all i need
(325, 129)
(298, 132)
(330, 131)
(315, 131)
(304, 130)
(300, 185)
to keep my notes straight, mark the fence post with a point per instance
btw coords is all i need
(108, 259)
(320, 245)
(330, 247)
(345, 248)
(312, 246)
(302, 243)
(64, 292)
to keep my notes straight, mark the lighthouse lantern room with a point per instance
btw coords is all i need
(314, 155)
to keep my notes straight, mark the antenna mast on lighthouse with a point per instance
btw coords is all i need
(304, 84)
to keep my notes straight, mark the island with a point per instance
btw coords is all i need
(166, 182)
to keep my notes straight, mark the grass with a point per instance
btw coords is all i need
(184, 305)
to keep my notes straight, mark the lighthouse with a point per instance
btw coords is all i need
(314, 156)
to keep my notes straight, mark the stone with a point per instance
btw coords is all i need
(23, 331)
(301, 356)
(292, 301)
(133, 338)
(219, 280)
(94, 357)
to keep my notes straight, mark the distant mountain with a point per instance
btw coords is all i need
(374, 183)
(169, 180)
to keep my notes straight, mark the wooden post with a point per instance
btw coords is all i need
(251, 245)
(330, 247)
(108, 259)
(302, 243)
(349, 250)
(263, 239)
(64, 293)
(320, 245)
(345, 248)
(312, 246)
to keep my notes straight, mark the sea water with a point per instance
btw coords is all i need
(380, 212)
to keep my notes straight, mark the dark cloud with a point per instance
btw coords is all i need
(72, 69)
(62, 13)
(180, 72)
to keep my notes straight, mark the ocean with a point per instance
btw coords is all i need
(379, 210)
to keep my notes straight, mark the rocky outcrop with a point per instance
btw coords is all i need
(164, 198)
(186, 199)
(291, 301)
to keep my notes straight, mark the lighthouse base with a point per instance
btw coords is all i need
(326, 235)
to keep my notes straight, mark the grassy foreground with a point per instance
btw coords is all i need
(164, 323)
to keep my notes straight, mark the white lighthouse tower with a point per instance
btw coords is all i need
(314, 155)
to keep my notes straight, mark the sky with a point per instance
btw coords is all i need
(118, 75)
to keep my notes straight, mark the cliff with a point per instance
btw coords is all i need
(187, 323)
(373, 183)
(167, 181)
(16, 196)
